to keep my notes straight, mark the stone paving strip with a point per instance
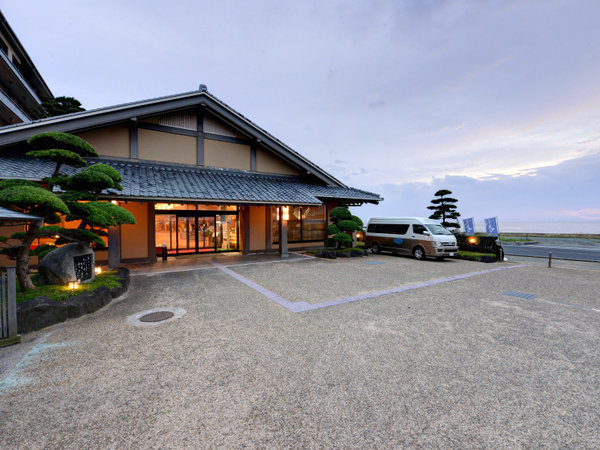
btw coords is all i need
(304, 306)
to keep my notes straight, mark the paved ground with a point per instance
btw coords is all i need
(445, 359)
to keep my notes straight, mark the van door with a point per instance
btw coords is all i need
(420, 238)
(399, 242)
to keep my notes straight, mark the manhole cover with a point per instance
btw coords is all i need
(155, 316)
(158, 316)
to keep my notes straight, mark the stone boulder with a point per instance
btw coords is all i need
(39, 312)
(67, 263)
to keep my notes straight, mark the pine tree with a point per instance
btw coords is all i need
(444, 209)
(76, 201)
(343, 223)
(58, 106)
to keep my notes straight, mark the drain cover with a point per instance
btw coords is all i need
(157, 316)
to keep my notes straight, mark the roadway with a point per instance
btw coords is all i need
(559, 251)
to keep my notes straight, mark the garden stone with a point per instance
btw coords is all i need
(345, 254)
(104, 293)
(357, 252)
(58, 266)
(81, 304)
(116, 291)
(331, 254)
(39, 312)
(123, 274)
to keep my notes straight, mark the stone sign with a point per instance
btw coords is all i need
(83, 267)
(70, 262)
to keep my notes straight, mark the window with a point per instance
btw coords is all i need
(419, 229)
(306, 224)
(313, 223)
(392, 228)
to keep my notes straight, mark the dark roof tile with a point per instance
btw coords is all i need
(144, 180)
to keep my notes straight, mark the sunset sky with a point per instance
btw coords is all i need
(498, 101)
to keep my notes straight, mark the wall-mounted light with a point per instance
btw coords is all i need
(114, 202)
(285, 212)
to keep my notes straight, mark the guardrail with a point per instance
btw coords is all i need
(8, 307)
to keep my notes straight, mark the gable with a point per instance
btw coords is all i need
(163, 114)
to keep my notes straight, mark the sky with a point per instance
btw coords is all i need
(497, 101)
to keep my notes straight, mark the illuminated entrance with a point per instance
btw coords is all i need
(190, 228)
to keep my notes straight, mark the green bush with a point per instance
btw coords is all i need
(340, 212)
(358, 221)
(474, 256)
(347, 225)
(332, 229)
(343, 238)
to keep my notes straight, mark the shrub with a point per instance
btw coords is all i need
(333, 229)
(340, 212)
(342, 238)
(483, 244)
(348, 225)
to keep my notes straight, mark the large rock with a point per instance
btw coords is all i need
(39, 312)
(81, 304)
(68, 263)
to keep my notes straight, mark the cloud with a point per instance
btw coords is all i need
(567, 191)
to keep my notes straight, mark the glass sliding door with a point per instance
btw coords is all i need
(227, 232)
(187, 230)
(166, 232)
(206, 234)
(186, 234)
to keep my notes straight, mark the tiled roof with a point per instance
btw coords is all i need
(148, 181)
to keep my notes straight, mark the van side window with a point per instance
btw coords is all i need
(387, 228)
(418, 229)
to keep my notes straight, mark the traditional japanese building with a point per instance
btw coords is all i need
(197, 175)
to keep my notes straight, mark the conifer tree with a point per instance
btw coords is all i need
(76, 199)
(343, 223)
(444, 209)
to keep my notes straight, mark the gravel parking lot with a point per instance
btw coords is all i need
(459, 363)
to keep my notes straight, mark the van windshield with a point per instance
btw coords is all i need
(436, 229)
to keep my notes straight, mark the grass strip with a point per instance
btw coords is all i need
(60, 293)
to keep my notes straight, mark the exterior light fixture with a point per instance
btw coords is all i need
(285, 213)
(114, 202)
(98, 270)
(73, 285)
(473, 240)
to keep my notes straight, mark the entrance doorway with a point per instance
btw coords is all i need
(189, 231)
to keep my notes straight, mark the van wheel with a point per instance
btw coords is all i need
(419, 253)
(375, 248)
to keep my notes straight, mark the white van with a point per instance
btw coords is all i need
(415, 236)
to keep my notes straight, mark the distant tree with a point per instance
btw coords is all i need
(445, 209)
(59, 106)
(344, 224)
